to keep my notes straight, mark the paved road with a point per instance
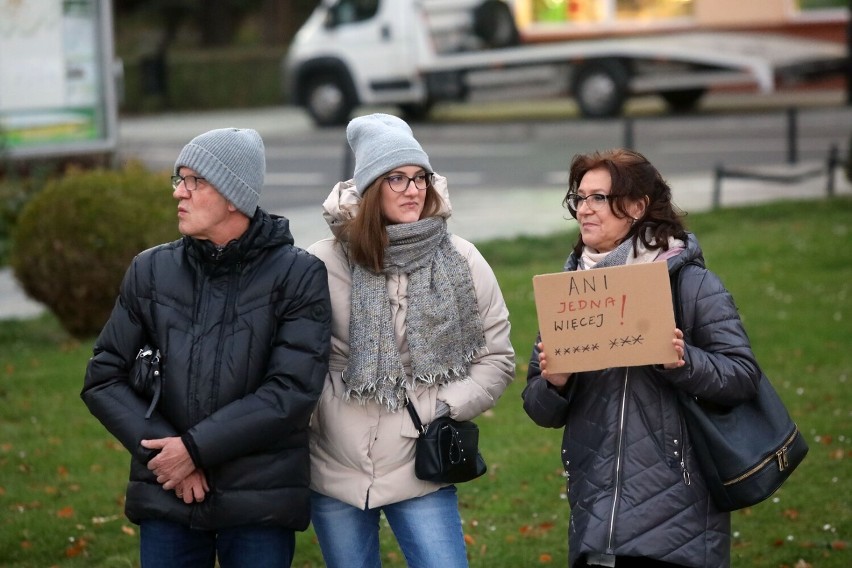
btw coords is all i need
(501, 213)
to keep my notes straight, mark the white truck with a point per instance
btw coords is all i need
(414, 53)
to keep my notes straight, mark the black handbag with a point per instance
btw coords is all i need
(744, 452)
(146, 377)
(447, 450)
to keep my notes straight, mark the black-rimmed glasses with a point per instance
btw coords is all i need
(595, 201)
(400, 183)
(190, 183)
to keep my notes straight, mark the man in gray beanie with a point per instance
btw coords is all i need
(237, 322)
(232, 160)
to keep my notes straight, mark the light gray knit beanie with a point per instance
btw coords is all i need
(382, 142)
(232, 160)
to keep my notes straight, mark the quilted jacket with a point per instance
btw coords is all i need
(244, 336)
(633, 483)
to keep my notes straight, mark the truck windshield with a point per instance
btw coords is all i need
(348, 11)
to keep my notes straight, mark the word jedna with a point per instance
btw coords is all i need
(579, 305)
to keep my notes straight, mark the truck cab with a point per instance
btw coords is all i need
(359, 52)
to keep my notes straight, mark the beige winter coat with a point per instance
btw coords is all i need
(363, 454)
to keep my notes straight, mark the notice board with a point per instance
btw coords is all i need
(608, 317)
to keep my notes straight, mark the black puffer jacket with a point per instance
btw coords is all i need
(631, 491)
(244, 335)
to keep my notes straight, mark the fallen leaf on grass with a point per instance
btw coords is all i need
(65, 512)
(469, 540)
(76, 549)
(838, 545)
(26, 544)
(802, 564)
(791, 514)
(545, 558)
(105, 519)
(129, 531)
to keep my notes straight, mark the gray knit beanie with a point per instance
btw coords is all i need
(382, 142)
(232, 160)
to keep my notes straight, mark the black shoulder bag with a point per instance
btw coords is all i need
(146, 377)
(447, 451)
(744, 452)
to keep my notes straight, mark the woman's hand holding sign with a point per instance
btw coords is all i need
(558, 380)
(680, 348)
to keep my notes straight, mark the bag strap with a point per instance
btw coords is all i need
(676, 304)
(415, 417)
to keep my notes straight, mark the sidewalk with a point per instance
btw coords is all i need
(508, 212)
(511, 213)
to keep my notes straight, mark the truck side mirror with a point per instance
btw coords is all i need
(331, 18)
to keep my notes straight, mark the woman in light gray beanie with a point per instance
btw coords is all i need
(418, 318)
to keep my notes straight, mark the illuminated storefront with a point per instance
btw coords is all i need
(580, 17)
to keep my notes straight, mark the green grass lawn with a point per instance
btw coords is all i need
(788, 265)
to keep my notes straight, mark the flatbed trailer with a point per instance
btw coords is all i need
(391, 57)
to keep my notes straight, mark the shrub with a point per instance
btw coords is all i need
(75, 239)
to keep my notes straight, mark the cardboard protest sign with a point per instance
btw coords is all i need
(608, 317)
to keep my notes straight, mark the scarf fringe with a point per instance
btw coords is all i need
(373, 391)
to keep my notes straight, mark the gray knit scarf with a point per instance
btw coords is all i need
(443, 324)
(618, 255)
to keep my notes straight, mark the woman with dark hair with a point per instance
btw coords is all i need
(417, 318)
(637, 497)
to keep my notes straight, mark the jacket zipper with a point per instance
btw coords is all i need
(618, 457)
(780, 456)
(687, 478)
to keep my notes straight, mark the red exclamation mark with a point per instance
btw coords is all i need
(623, 302)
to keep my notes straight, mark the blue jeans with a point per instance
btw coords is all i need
(428, 530)
(166, 544)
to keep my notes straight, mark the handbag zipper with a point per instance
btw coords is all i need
(779, 455)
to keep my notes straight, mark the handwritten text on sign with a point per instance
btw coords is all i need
(608, 317)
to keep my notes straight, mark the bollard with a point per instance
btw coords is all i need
(832, 166)
(628, 133)
(792, 135)
(717, 186)
(348, 162)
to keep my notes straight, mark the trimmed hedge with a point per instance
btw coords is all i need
(204, 80)
(75, 239)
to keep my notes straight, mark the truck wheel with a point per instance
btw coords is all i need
(494, 24)
(600, 87)
(416, 112)
(328, 101)
(683, 101)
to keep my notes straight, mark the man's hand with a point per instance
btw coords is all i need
(173, 464)
(193, 488)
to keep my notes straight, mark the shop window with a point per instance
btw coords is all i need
(595, 11)
(821, 4)
(651, 10)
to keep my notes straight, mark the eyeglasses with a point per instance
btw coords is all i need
(595, 201)
(190, 183)
(399, 182)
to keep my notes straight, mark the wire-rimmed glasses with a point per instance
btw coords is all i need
(595, 201)
(190, 183)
